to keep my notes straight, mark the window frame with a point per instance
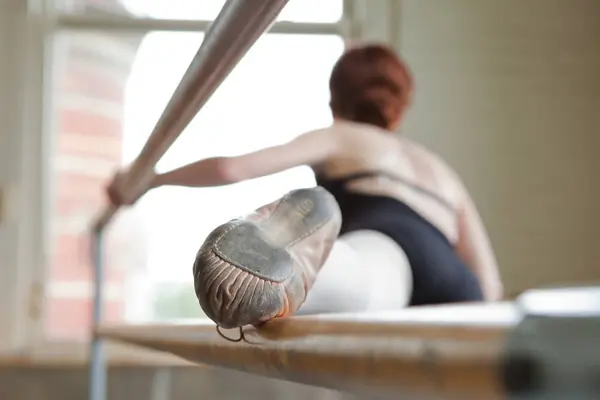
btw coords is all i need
(36, 125)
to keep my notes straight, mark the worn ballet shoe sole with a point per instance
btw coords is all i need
(251, 270)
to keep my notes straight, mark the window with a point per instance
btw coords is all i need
(109, 89)
(306, 11)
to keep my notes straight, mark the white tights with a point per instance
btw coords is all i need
(366, 271)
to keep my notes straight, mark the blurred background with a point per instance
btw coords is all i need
(508, 91)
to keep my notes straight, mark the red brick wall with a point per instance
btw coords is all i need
(90, 91)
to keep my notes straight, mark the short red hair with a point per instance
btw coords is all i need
(370, 84)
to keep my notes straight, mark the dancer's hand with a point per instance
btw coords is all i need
(119, 191)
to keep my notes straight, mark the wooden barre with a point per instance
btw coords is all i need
(457, 322)
(237, 27)
(406, 352)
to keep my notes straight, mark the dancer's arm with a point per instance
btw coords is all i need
(475, 248)
(308, 149)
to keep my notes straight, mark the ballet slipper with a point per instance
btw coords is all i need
(260, 267)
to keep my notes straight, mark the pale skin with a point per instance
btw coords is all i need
(346, 148)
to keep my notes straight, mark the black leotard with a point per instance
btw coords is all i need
(439, 275)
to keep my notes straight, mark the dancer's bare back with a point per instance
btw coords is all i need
(419, 178)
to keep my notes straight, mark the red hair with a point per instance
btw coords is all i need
(370, 84)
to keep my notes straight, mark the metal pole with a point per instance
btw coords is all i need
(235, 30)
(98, 367)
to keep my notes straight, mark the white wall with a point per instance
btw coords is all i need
(509, 92)
(9, 165)
(20, 166)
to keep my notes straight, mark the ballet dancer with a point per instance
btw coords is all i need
(389, 224)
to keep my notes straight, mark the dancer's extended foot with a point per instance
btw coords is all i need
(261, 267)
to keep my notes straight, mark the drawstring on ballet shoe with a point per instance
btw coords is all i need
(241, 338)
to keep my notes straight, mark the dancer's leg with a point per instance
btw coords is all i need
(365, 271)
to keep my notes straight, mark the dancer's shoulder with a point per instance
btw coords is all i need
(432, 159)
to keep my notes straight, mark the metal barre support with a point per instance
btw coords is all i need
(98, 367)
(235, 30)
